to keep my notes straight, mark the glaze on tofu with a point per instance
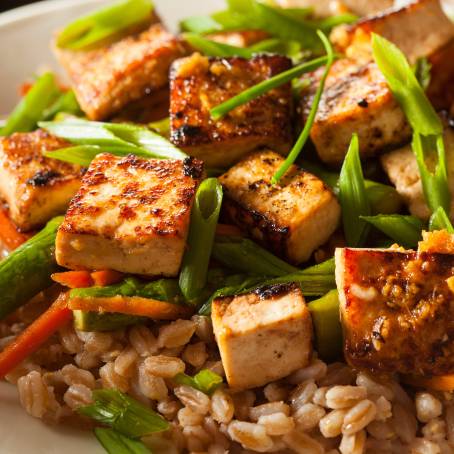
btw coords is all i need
(198, 84)
(107, 79)
(356, 99)
(292, 218)
(397, 309)
(130, 215)
(35, 188)
(402, 169)
(262, 336)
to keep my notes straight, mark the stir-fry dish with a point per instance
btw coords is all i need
(236, 238)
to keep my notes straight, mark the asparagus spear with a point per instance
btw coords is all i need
(94, 321)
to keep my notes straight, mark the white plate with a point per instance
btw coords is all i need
(25, 34)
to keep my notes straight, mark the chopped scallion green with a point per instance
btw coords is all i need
(440, 221)
(116, 443)
(206, 381)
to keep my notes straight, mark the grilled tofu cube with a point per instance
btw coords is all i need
(107, 79)
(292, 218)
(270, 326)
(397, 310)
(239, 38)
(418, 28)
(36, 188)
(401, 167)
(130, 215)
(356, 99)
(198, 84)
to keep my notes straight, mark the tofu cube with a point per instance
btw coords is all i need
(35, 188)
(130, 215)
(402, 170)
(418, 28)
(397, 310)
(107, 79)
(292, 218)
(198, 84)
(264, 335)
(356, 99)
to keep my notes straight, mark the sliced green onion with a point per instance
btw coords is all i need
(116, 443)
(162, 127)
(204, 218)
(123, 413)
(329, 23)
(440, 221)
(65, 103)
(200, 24)
(302, 139)
(206, 381)
(215, 49)
(246, 256)
(422, 69)
(352, 196)
(105, 23)
(32, 108)
(427, 126)
(405, 230)
(265, 86)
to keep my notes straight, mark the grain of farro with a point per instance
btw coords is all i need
(353, 444)
(197, 435)
(450, 423)
(143, 340)
(315, 371)
(435, 430)
(404, 422)
(125, 363)
(95, 341)
(196, 400)
(168, 407)
(302, 443)
(216, 367)
(268, 409)
(214, 429)
(275, 391)
(373, 387)
(344, 396)
(87, 360)
(250, 435)
(22, 369)
(302, 394)
(72, 375)
(195, 354)
(337, 374)
(222, 406)
(242, 402)
(151, 386)
(187, 417)
(77, 395)
(163, 366)
(277, 424)
(176, 334)
(319, 397)
(331, 424)
(423, 446)
(382, 430)
(308, 416)
(384, 408)
(359, 416)
(69, 339)
(427, 406)
(110, 379)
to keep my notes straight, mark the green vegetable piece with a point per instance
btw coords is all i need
(246, 256)
(265, 86)
(66, 103)
(33, 106)
(162, 127)
(327, 327)
(302, 139)
(26, 271)
(94, 321)
(440, 220)
(204, 218)
(104, 24)
(123, 413)
(116, 443)
(422, 70)
(405, 230)
(215, 49)
(352, 196)
(161, 290)
(200, 25)
(206, 381)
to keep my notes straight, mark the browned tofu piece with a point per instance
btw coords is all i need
(418, 29)
(402, 169)
(107, 79)
(36, 188)
(239, 38)
(198, 84)
(262, 336)
(356, 99)
(130, 215)
(292, 218)
(397, 310)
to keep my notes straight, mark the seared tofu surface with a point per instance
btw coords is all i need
(402, 169)
(356, 99)
(292, 218)
(35, 188)
(107, 79)
(397, 309)
(262, 336)
(130, 215)
(198, 84)
(419, 28)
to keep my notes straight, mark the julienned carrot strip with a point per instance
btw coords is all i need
(228, 230)
(440, 383)
(9, 235)
(74, 279)
(106, 277)
(35, 335)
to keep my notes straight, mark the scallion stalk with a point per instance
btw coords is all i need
(440, 221)
(204, 218)
(116, 443)
(206, 381)
(123, 413)
(302, 139)
(352, 197)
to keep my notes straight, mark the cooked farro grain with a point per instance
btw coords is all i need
(143, 340)
(110, 379)
(187, 417)
(302, 394)
(125, 362)
(87, 360)
(69, 339)
(163, 366)
(358, 417)
(353, 444)
(196, 400)
(153, 387)
(315, 371)
(427, 406)
(275, 391)
(204, 328)
(176, 334)
(250, 436)
(277, 423)
(222, 407)
(405, 423)
(268, 409)
(168, 407)
(331, 424)
(77, 395)
(195, 354)
(308, 416)
(96, 342)
(344, 396)
(302, 443)
(72, 375)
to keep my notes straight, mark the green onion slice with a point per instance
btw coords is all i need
(116, 443)
(206, 381)
(302, 139)
(352, 196)
(204, 218)
(440, 221)
(106, 23)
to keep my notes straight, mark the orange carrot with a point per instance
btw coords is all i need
(74, 279)
(438, 383)
(106, 277)
(228, 230)
(9, 235)
(132, 305)
(35, 335)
